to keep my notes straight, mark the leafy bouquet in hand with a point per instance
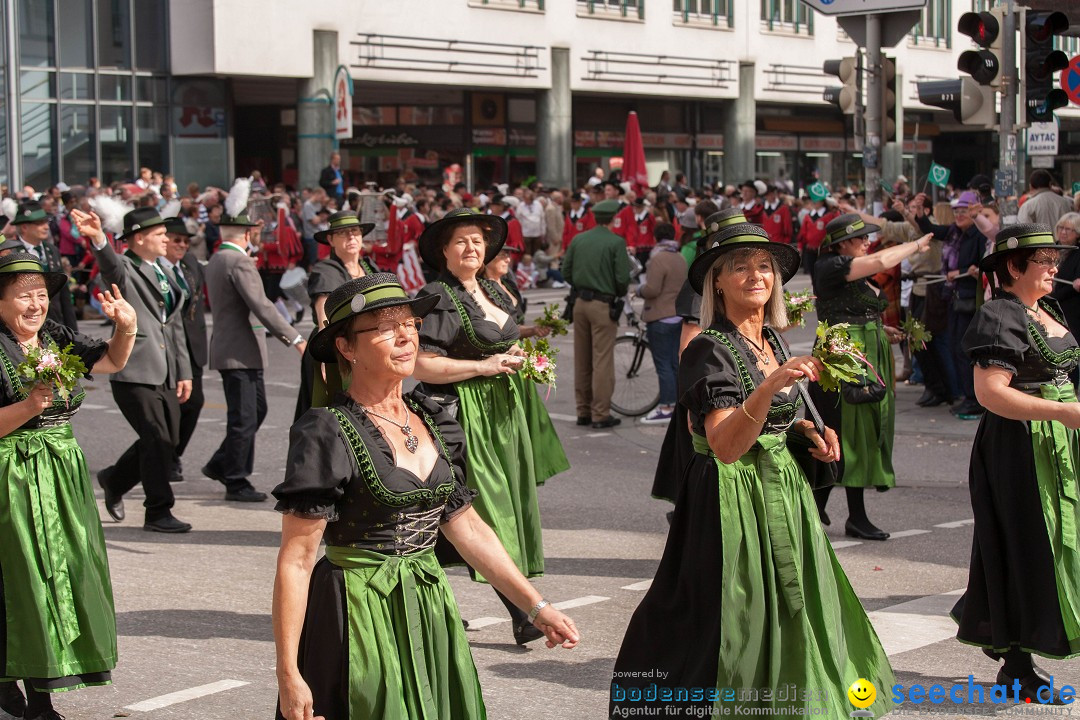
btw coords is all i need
(797, 306)
(917, 334)
(841, 355)
(49, 365)
(539, 362)
(552, 318)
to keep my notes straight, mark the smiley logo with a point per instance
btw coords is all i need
(862, 693)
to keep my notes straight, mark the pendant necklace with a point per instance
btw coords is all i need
(758, 350)
(411, 441)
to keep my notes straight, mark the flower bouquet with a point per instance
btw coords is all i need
(841, 355)
(917, 334)
(49, 365)
(797, 306)
(539, 362)
(553, 319)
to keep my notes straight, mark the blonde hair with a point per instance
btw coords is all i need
(712, 302)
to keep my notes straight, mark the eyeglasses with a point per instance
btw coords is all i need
(1070, 229)
(183, 240)
(1047, 260)
(388, 329)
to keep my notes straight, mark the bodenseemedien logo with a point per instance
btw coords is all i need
(862, 695)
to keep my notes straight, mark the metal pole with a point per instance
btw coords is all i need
(1009, 87)
(874, 107)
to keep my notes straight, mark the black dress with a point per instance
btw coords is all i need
(1024, 581)
(342, 469)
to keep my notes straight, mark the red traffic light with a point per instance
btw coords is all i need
(982, 27)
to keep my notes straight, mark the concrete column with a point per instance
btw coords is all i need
(740, 129)
(314, 111)
(554, 125)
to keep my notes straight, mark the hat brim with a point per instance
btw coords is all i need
(865, 230)
(142, 228)
(323, 236)
(989, 263)
(322, 347)
(495, 231)
(786, 257)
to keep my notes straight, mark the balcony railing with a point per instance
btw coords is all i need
(621, 8)
(703, 12)
(513, 4)
(400, 52)
(669, 70)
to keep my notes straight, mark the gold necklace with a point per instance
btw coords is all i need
(411, 441)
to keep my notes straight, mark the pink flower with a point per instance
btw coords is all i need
(48, 361)
(541, 363)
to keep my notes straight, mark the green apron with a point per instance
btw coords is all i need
(867, 431)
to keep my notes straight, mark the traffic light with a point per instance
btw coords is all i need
(984, 64)
(1040, 61)
(970, 102)
(845, 98)
(890, 131)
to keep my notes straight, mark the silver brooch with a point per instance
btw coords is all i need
(850, 229)
(358, 303)
(1012, 243)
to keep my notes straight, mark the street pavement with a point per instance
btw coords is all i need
(193, 611)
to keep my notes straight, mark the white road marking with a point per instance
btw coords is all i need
(485, 621)
(553, 416)
(578, 602)
(593, 435)
(908, 533)
(88, 406)
(643, 585)
(957, 524)
(916, 623)
(185, 695)
(209, 420)
(841, 544)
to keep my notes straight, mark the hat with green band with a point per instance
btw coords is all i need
(29, 212)
(735, 237)
(140, 219)
(846, 227)
(493, 226)
(725, 218)
(1020, 237)
(18, 263)
(241, 220)
(342, 220)
(359, 296)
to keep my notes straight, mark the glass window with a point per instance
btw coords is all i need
(78, 142)
(116, 144)
(76, 86)
(153, 138)
(151, 89)
(786, 12)
(114, 34)
(702, 9)
(38, 122)
(36, 85)
(36, 33)
(622, 7)
(935, 24)
(150, 35)
(76, 34)
(114, 87)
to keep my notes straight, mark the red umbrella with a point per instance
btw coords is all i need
(633, 170)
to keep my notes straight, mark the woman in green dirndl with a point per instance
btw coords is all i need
(1023, 593)
(56, 604)
(372, 629)
(469, 351)
(863, 415)
(749, 607)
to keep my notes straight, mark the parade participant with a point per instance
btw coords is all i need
(598, 268)
(238, 350)
(1023, 592)
(752, 207)
(639, 229)
(530, 213)
(405, 227)
(381, 474)
(748, 593)
(776, 219)
(578, 220)
(56, 596)
(498, 272)
(467, 350)
(185, 269)
(157, 379)
(863, 414)
(31, 222)
(501, 206)
(346, 262)
(812, 230)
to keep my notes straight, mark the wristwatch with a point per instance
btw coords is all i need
(297, 340)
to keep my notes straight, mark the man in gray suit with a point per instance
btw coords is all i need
(157, 378)
(32, 224)
(238, 352)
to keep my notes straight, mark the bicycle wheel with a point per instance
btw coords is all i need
(637, 389)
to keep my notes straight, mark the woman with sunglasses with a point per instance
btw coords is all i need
(468, 349)
(1023, 593)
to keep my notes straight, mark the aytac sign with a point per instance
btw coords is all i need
(343, 89)
(863, 7)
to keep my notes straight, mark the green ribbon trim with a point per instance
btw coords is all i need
(849, 229)
(386, 291)
(1024, 241)
(726, 222)
(400, 576)
(23, 266)
(747, 382)
(344, 222)
(470, 331)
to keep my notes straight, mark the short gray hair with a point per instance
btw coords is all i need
(712, 303)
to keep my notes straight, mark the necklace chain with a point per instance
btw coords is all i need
(411, 441)
(758, 349)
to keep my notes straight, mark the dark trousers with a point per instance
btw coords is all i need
(809, 258)
(245, 398)
(311, 252)
(153, 412)
(935, 379)
(965, 373)
(190, 411)
(664, 345)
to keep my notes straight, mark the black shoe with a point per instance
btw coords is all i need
(1030, 686)
(931, 399)
(607, 422)
(114, 504)
(968, 410)
(464, 623)
(299, 317)
(167, 524)
(868, 532)
(824, 517)
(11, 699)
(213, 475)
(584, 420)
(48, 714)
(247, 494)
(526, 632)
(177, 474)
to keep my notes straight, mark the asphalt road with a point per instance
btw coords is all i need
(193, 611)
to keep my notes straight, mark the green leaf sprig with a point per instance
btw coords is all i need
(553, 319)
(917, 334)
(798, 304)
(842, 356)
(49, 365)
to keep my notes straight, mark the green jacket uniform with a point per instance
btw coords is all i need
(596, 260)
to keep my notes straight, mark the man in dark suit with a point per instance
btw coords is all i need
(157, 378)
(32, 224)
(331, 180)
(183, 267)
(238, 352)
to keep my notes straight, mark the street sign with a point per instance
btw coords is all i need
(863, 7)
(1042, 139)
(895, 26)
(343, 104)
(1043, 161)
(939, 175)
(1070, 80)
(1004, 183)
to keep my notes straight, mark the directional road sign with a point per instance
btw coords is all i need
(863, 7)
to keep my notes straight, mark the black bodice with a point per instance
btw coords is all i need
(840, 300)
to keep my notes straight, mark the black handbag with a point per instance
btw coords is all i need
(869, 391)
(568, 311)
(819, 474)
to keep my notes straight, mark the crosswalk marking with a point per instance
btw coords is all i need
(915, 623)
(185, 695)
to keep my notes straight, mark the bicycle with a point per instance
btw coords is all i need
(637, 389)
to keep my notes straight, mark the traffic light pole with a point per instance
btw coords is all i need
(1009, 88)
(872, 143)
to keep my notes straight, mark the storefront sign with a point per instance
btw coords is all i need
(193, 121)
(522, 138)
(1042, 138)
(609, 138)
(391, 139)
(707, 141)
(489, 136)
(921, 147)
(821, 144)
(343, 104)
(776, 142)
(584, 139)
(676, 141)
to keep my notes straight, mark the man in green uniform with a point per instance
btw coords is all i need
(598, 267)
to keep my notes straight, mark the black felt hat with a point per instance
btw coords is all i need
(176, 226)
(494, 228)
(139, 219)
(362, 295)
(743, 235)
(20, 262)
(846, 227)
(343, 220)
(1020, 237)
